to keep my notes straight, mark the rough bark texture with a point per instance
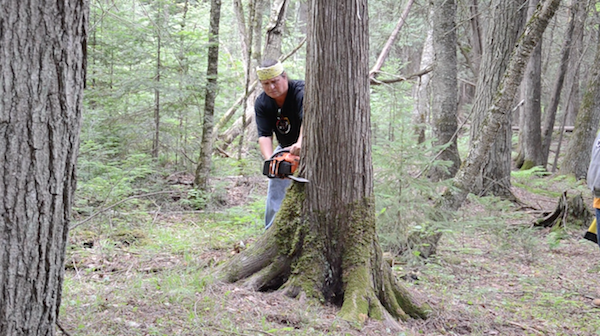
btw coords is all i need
(577, 158)
(205, 161)
(42, 62)
(499, 111)
(323, 243)
(445, 88)
(501, 36)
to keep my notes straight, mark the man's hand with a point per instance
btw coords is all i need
(295, 148)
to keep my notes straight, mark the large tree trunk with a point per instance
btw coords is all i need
(501, 36)
(203, 169)
(323, 243)
(530, 116)
(445, 88)
(41, 89)
(577, 158)
(499, 111)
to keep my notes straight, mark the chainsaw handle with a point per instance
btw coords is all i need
(277, 153)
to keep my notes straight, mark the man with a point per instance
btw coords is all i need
(278, 110)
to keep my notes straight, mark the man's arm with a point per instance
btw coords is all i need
(266, 146)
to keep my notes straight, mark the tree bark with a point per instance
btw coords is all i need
(445, 89)
(274, 34)
(498, 113)
(577, 158)
(156, 138)
(530, 134)
(41, 89)
(212, 71)
(572, 78)
(421, 91)
(476, 38)
(558, 85)
(323, 243)
(501, 36)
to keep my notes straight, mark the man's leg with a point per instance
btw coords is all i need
(275, 195)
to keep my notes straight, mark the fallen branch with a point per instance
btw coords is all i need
(524, 327)
(425, 71)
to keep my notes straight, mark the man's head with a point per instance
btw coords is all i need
(273, 78)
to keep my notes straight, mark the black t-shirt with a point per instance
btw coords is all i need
(285, 122)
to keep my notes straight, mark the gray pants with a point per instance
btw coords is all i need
(275, 195)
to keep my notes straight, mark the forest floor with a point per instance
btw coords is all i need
(151, 272)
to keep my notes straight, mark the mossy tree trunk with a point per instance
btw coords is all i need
(501, 36)
(323, 243)
(500, 110)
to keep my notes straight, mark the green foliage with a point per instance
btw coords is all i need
(103, 179)
(404, 198)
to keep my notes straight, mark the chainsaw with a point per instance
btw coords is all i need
(283, 164)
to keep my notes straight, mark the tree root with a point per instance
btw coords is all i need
(270, 277)
(297, 257)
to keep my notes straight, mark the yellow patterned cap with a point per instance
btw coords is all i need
(269, 72)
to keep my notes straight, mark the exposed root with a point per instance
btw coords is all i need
(258, 256)
(270, 277)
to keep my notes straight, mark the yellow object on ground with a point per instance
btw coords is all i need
(591, 233)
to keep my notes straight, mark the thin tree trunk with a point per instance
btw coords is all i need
(445, 88)
(41, 102)
(476, 38)
(577, 158)
(388, 45)
(573, 75)
(156, 139)
(204, 162)
(556, 93)
(252, 17)
(421, 91)
(530, 134)
(499, 111)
